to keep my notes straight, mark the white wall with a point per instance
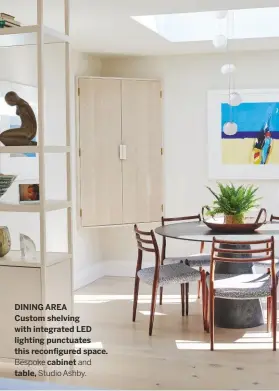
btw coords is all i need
(20, 67)
(87, 251)
(186, 80)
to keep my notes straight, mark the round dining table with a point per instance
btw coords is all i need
(236, 314)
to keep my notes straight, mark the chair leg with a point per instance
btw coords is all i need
(182, 300)
(161, 295)
(206, 305)
(136, 293)
(199, 285)
(187, 297)
(274, 317)
(153, 306)
(203, 299)
(268, 310)
(211, 319)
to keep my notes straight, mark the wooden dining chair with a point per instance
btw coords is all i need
(159, 275)
(199, 260)
(266, 264)
(243, 286)
(275, 218)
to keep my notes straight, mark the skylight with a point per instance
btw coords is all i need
(203, 26)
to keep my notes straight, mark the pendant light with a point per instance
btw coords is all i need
(228, 68)
(235, 99)
(220, 41)
(230, 127)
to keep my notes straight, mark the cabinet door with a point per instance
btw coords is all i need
(100, 137)
(142, 135)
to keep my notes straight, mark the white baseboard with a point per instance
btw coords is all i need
(121, 268)
(106, 268)
(87, 275)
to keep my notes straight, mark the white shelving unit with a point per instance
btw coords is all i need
(50, 279)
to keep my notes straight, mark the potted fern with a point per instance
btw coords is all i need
(234, 202)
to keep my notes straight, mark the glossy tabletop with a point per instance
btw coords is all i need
(198, 231)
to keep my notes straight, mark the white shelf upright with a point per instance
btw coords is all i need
(51, 279)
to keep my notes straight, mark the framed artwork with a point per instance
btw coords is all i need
(253, 152)
(29, 193)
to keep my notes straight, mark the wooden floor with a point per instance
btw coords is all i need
(177, 356)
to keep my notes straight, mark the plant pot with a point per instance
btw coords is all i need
(234, 219)
(5, 241)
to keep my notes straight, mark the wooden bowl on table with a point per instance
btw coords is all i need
(250, 225)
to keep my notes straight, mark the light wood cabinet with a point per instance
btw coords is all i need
(120, 151)
(141, 132)
(100, 137)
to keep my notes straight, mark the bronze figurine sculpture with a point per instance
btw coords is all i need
(28, 129)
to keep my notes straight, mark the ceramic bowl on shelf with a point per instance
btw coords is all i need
(5, 241)
(5, 182)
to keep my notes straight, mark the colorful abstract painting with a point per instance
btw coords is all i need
(253, 152)
(257, 139)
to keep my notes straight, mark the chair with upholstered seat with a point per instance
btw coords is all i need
(159, 275)
(266, 264)
(199, 260)
(243, 286)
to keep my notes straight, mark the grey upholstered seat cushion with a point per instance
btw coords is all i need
(243, 286)
(264, 263)
(170, 260)
(201, 259)
(176, 273)
(194, 260)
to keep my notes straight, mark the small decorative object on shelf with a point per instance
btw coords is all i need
(7, 20)
(5, 241)
(233, 203)
(29, 193)
(5, 182)
(27, 248)
(28, 129)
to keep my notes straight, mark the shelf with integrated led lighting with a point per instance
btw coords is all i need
(13, 259)
(36, 149)
(30, 207)
(28, 35)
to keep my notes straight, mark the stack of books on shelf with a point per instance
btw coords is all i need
(7, 20)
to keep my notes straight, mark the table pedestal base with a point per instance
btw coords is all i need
(237, 314)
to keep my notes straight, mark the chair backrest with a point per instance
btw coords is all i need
(260, 250)
(146, 241)
(272, 218)
(175, 219)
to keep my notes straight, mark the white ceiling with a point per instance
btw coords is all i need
(105, 27)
